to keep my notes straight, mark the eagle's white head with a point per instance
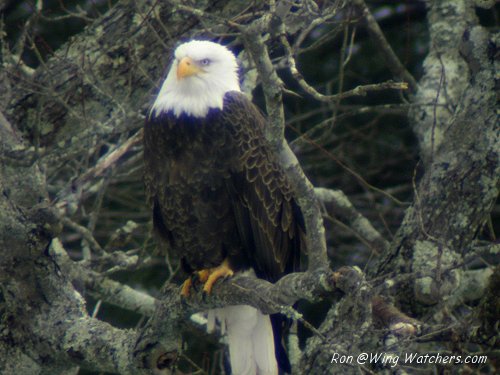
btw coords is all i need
(201, 74)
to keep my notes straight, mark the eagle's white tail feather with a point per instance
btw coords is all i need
(250, 339)
(265, 356)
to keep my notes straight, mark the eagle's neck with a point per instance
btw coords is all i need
(194, 96)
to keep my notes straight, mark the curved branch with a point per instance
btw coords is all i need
(357, 91)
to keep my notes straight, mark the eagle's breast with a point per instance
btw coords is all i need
(191, 164)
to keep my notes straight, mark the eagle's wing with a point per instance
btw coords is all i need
(268, 219)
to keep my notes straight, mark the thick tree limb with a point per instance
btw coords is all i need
(446, 75)
(457, 190)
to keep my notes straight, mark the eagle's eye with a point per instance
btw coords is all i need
(205, 62)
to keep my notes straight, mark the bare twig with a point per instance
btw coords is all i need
(72, 193)
(357, 91)
(102, 287)
(397, 69)
(344, 208)
(85, 233)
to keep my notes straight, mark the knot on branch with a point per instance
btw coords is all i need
(153, 356)
(48, 220)
(347, 279)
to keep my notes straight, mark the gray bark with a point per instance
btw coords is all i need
(460, 183)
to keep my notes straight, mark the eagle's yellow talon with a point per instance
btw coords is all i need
(203, 275)
(208, 277)
(216, 273)
(186, 287)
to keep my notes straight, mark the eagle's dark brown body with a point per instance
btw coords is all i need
(218, 192)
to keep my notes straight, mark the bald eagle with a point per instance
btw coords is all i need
(220, 199)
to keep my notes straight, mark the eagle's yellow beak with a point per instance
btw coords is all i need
(187, 67)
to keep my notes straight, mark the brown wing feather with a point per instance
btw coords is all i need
(268, 218)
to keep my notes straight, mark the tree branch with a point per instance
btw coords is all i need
(397, 69)
(463, 178)
(344, 208)
(357, 91)
(272, 85)
(446, 75)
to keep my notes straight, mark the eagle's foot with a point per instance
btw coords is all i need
(208, 277)
(214, 274)
(199, 276)
(186, 287)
